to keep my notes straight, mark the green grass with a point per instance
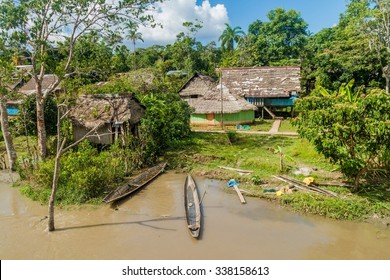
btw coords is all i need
(20, 144)
(286, 126)
(258, 125)
(204, 152)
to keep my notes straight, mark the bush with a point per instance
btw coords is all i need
(27, 116)
(84, 176)
(351, 130)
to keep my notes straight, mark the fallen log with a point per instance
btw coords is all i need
(330, 184)
(236, 169)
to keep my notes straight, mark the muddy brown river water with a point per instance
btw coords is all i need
(151, 225)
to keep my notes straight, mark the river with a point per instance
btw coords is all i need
(151, 225)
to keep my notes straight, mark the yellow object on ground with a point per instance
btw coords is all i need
(308, 180)
(279, 193)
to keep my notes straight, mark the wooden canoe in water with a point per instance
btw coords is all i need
(135, 184)
(192, 206)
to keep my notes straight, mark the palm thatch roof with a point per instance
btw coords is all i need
(262, 81)
(197, 85)
(47, 84)
(91, 110)
(22, 71)
(215, 101)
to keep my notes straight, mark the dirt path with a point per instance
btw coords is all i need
(273, 131)
(275, 127)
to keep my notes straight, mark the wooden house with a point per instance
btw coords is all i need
(265, 87)
(197, 86)
(117, 115)
(211, 104)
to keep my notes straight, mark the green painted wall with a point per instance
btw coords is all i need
(235, 118)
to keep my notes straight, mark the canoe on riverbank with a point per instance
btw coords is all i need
(135, 184)
(192, 206)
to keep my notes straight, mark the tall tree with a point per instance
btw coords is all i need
(230, 36)
(35, 24)
(281, 39)
(378, 30)
(134, 36)
(185, 52)
(7, 72)
(339, 54)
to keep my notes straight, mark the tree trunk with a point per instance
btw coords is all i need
(54, 190)
(356, 186)
(9, 145)
(386, 75)
(40, 103)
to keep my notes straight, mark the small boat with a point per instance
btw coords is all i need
(192, 206)
(135, 184)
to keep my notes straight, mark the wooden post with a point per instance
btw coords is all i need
(242, 199)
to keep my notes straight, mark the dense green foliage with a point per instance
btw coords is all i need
(84, 177)
(281, 40)
(26, 122)
(339, 54)
(166, 121)
(350, 129)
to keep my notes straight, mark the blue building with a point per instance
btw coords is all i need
(266, 87)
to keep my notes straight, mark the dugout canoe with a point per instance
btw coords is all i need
(192, 206)
(135, 184)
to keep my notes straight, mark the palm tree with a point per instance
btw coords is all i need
(134, 36)
(230, 36)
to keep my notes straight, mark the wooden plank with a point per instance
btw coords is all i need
(236, 169)
(311, 186)
(242, 199)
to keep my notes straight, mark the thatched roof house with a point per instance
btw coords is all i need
(47, 84)
(264, 81)
(197, 86)
(210, 104)
(118, 115)
(275, 86)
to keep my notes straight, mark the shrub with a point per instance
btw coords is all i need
(84, 175)
(351, 130)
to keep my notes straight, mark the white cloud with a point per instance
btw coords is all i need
(172, 13)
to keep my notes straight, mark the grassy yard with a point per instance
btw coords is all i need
(286, 126)
(258, 125)
(203, 153)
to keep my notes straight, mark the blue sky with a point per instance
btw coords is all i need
(215, 13)
(317, 13)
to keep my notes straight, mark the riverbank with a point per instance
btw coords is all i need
(267, 155)
(208, 154)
